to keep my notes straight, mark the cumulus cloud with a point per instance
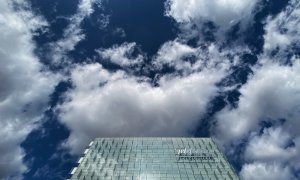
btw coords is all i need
(271, 96)
(272, 145)
(116, 104)
(25, 84)
(187, 59)
(122, 55)
(257, 171)
(283, 30)
(172, 53)
(223, 13)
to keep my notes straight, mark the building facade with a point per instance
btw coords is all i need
(153, 158)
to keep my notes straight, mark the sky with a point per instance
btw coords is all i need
(74, 70)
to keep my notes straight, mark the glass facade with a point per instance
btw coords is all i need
(153, 158)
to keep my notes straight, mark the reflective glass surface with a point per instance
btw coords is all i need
(153, 158)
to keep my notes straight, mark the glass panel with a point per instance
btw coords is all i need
(154, 158)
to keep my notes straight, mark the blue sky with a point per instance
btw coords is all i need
(73, 70)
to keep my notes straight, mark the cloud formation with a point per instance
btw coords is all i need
(222, 13)
(25, 84)
(267, 116)
(73, 34)
(272, 96)
(186, 59)
(271, 145)
(265, 171)
(282, 31)
(172, 54)
(103, 103)
(122, 55)
(272, 93)
(121, 104)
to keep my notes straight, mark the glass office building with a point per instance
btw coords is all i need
(153, 158)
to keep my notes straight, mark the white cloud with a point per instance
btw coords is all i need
(84, 8)
(272, 152)
(73, 34)
(172, 53)
(24, 89)
(258, 171)
(283, 31)
(116, 104)
(224, 13)
(271, 146)
(122, 55)
(271, 94)
(183, 57)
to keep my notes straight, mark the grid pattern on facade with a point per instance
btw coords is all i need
(153, 158)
